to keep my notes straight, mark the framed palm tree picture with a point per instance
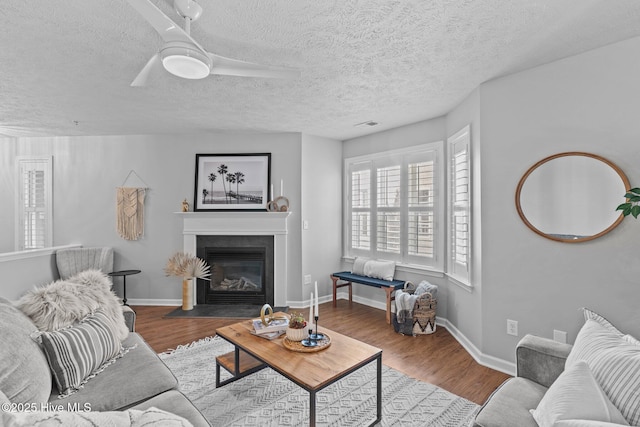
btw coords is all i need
(232, 182)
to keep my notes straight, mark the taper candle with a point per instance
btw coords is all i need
(271, 193)
(282, 187)
(311, 310)
(317, 312)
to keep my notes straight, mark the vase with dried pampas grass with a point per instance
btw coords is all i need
(188, 267)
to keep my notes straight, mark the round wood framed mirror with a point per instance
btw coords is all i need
(571, 197)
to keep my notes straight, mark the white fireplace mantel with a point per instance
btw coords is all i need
(223, 223)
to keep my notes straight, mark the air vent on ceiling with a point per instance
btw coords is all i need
(367, 123)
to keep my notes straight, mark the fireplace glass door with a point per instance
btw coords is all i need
(237, 276)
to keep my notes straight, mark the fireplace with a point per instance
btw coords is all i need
(237, 276)
(227, 229)
(241, 270)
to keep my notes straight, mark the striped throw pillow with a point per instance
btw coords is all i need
(79, 352)
(614, 361)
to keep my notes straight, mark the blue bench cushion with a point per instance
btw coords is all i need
(371, 281)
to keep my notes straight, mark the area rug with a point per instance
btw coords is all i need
(266, 398)
(236, 311)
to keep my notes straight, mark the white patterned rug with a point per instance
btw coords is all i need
(266, 398)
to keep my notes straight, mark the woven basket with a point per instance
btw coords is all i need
(424, 315)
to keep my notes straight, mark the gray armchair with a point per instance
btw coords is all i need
(539, 361)
(73, 261)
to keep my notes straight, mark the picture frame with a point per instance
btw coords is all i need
(232, 182)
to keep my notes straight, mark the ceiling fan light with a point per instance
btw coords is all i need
(185, 63)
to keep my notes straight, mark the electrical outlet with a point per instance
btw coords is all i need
(512, 327)
(560, 336)
(307, 279)
(305, 224)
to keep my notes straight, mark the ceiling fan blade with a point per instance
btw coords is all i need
(233, 67)
(143, 75)
(168, 30)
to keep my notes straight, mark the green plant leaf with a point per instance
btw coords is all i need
(635, 190)
(635, 211)
(623, 206)
(626, 211)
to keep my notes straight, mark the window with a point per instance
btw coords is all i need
(33, 206)
(460, 205)
(394, 206)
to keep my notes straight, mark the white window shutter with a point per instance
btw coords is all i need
(460, 205)
(34, 204)
(394, 207)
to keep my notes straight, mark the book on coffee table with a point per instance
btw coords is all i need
(276, 325)
(269, 335)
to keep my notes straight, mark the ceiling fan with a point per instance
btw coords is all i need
(184, 57)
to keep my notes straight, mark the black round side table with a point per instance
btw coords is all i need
(124, 274)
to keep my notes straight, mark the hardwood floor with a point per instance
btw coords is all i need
(437, 358)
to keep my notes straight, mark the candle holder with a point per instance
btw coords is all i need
(316, 336)
(310, 341)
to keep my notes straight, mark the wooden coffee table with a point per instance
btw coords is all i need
(311, 371)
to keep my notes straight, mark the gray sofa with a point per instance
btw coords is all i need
(138, 380)
(539, 361)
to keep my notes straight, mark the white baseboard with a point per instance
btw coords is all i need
(492, 362)
(178, 302)
(305, 303)
(163, 302)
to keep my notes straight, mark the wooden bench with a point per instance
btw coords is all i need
(348, 278)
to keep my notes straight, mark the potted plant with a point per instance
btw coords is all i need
(297, 330)
(188, 267)
(631, 206)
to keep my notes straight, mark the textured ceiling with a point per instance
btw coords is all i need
(66, 66)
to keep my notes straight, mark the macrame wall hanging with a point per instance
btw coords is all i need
(130, 209)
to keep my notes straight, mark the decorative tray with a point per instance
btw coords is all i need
(297, 345)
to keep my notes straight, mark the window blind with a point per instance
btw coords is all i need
(460, 206)
(393, 206)
(33, 217)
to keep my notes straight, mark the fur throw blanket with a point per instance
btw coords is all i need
(61, 303)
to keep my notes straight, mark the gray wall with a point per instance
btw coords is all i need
(7, 195)
(87, 171)
(322, 208)
(586, 103)
(24, 274)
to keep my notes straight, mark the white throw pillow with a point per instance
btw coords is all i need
(576, 395)
(614, 362)
(380, 269)
(358, 265)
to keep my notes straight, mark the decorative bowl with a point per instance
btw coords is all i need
(297, 334)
